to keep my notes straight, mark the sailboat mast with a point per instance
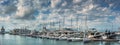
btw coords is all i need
(63, 21)
(112, 25)
(85, 26)
(86, 23)
(53, 25)
(59, 25)
(77, 23)
(71, 22)
(50, 24)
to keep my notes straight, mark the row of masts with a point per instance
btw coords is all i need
(62, 23)
(77, 25)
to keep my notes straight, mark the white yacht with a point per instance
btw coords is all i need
(85, 38)
(104, 37)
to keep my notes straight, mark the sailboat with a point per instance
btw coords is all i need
(74, 38)
(85, 38)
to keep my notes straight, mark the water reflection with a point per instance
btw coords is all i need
(22, 40)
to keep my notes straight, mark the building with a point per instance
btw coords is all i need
(20, 31)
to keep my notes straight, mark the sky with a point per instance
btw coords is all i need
(34, 14)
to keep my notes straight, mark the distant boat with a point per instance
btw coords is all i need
(63, 38)
(86, 40)
(74, 39)
(2, 31)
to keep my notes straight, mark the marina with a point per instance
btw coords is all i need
(59, 22)
(67, 35)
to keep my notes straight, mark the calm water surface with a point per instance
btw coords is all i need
(22, 40)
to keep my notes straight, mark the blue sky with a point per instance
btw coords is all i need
(33, 14)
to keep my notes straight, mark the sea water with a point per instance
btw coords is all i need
(24, 40)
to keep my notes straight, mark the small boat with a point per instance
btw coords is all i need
(63, 38)
(74, 39)
(104, 37)
(86, 40)
(56, 38)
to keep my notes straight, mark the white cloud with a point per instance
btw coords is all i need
(21, 11)
(56, 10)
(7, 9)
(87, 8)
(54, 3)
(4, 19)
(117, 19)
(64, 4)
(76, 1)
